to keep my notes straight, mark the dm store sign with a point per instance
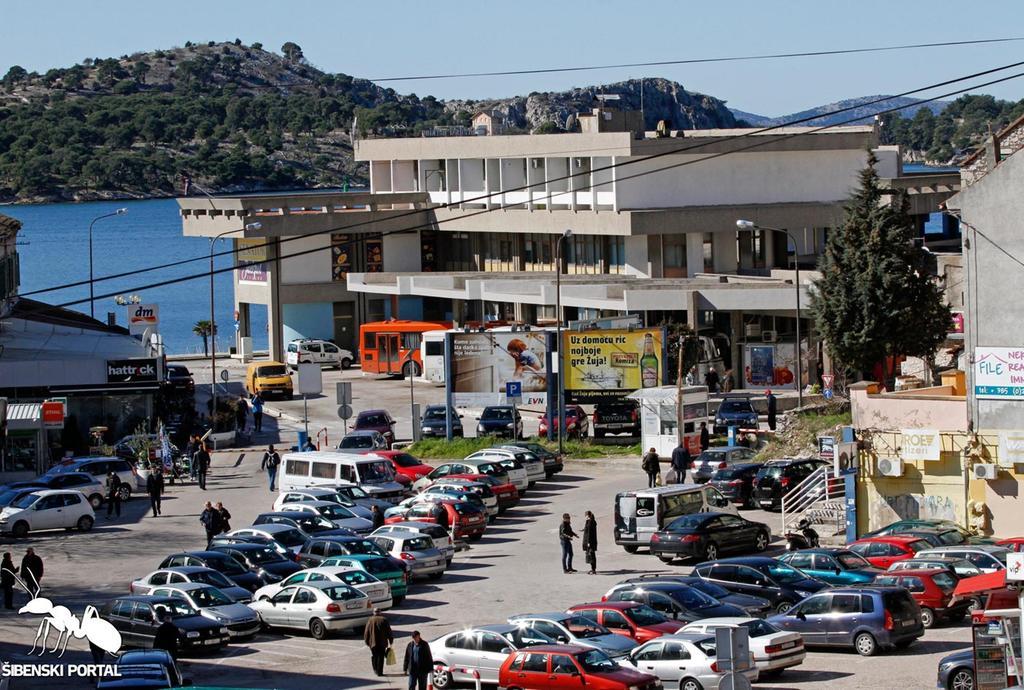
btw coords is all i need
(999, 373)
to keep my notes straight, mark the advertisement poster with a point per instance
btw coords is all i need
(1011, 448)
(342, 248)
(246, 253)
(920, 444)
(605, 365)
(999, 373)
(483, 363)
(760, 370)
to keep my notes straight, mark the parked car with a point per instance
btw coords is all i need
(737, 482)
(500, 420)
(462, 468)
(406, 464)
(958, 567)
(577, 423)
(230, 539)
(735, 411)
(687, 661)
(552, 460)
(619, 417)
(777, 477)
(439, 535)
(936, 536)
(384, 568)
(99, 467)
(268, 378)
(834, 566)
(262, 559)
(575, 629)
(913, 523)
(482, 649)
(360, 496)
(221, 562)
(149, 658)
(322, 352)
(179, 379)
(468, 488)
(780, 583)
(239, 619)
(556, 666)
(323, 494)
(137, 618)
(758, 607)
(376, 420)
(465, 520)
(882, 552)
(514, 458)
(511, 468)
(318, 549)
(340, 516)
(933, 592)
(320, 607)
(179, 575)
(864, 618)
(505, 492)
(714, 459)
(1012, 544)
(308, 522)
(988, 557)
(364, 440)
(706, 535)
(286, 537)
(378, 590)
(956, 671)
(434, 423)
(774, 650)
(673, 600)
(417, 551)
(92, 488)
(629, 618)
(47, 509)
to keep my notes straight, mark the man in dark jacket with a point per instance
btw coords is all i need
(565, 536)
(590, 541)
(113, 487)
(680, 461)
(202, 464)
(155, 489)
(705, 437)
(7, 580)
(377, 516)
(32, 570)
(210, 517)
(378, 637)
(651, 464)
(166, 636)
(271, 460)
(773, 408)
(419, 662)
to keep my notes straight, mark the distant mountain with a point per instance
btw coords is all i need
(826, 114)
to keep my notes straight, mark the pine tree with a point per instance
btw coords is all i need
(876, 297)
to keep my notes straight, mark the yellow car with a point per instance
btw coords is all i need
(268, 378)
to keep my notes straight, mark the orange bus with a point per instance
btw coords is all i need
(393, 347)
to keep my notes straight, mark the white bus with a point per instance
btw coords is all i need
(373, 473)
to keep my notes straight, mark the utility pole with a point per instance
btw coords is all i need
(679, 393)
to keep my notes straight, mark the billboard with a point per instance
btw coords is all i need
(999, 373)
(483, 363)
(605, 365)
(247, 254)
(146, 370)
(141, 317)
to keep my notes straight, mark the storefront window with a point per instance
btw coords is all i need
(21, 452)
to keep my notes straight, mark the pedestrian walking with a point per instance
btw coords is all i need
(377, 516)
(166, 637)
(711, 380)
(691, 376)
(651, 464)
(773, 408)
(211, 522)
(257, 412)
(155, 489)
(378, 637)
(565, 536)
(271, 461)
(190, 452)
(113, 487)
(681, 461)
(202, 464)
(7, 579)
(705, 437)
(241, 414)
(32, 571)
(225, 518)
(589, 542)
(419, 662)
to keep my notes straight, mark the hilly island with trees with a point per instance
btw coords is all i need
(234, 117)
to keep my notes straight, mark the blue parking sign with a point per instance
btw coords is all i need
(513, 389)
(827, 393)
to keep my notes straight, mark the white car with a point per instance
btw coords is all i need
(183, 574)
(683, 660)
(321, 494)
(239, 619)
(378, 591)
(441, 537)
(320, 351)
(528, 461)
(320, 607)
(335, 512)
(773, 649)
(47, 509)
(513, 468)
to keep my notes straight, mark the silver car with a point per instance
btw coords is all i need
(682, 660)
(573, 628)
(530, 461)
(482, 649)
(183, 574)
(239, 619)
(378, 591)
(338, 514)
(318, 493)
(441, 537)
(507, 460)
(416, 550)
(320, 607)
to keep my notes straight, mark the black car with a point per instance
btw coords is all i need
(137, 617)
(131, 665)
(757, 607)
(264, 560)
(737, 482)
(500, 420)
(230, 539)
(705, 535)
(737, 412)
(320, 548)
(310, 523)
(781, 584)
(435, 423)
(219, 561)
(179, 379)
(619, 417)
(776, 478)
(675, 600)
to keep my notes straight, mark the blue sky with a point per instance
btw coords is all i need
(399, 38)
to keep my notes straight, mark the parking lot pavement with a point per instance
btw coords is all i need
(513, 569)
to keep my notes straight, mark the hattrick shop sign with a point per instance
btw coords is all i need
(132, 370)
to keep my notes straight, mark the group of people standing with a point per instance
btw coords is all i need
(418, 662)
(31, 570)
(198, 460)
(215, 520)
(242, 413)
(588, 542)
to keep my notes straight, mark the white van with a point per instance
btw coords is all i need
(641, 513)
(373, 473)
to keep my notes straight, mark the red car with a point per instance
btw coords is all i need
(882, 552)
(555, 666)
(932, 589)
(505, 492)
(577, 423)
(629, 618)
(465, 520)
(405, 465)
(1013, 543)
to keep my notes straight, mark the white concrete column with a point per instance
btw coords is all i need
(723, 251)
(637, 259)
(694, 253)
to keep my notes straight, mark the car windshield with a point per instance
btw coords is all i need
(26, 501)
(711, 456)
(724, 475)
(377, 566)
(275, 370)
(526, 636)
(918, 545)
(209, 596)
(686, 523)
(418, 544)
(759, 628)
(289, 537)
(313, 523)
(262, 556)
(784, 574)
(945, 581)
(357, 441)
(710, 588)
(692, 598)
(774, 471)
(584, 628)
(7, 497)
(342, 593)
(362, 546)
(645, 615)
(466, 508)
(225, 564)
(496, 413)
(178, 608)
(596, 661)
(731, 406)
(335, 511)
(377, 471)
(210, 577)
(354, 577)
(999, 556)
(437, 413)
(406, 460)
(852, 561)
(353, 492)
(371, 421)
(951, 538)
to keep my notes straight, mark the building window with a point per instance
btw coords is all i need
(750, 245)
(674, 256)
(709, 254)
(616, 255)
(458, 251)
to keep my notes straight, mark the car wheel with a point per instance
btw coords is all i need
(442, 679)
(317, 629)
(20, 530)
(665, 559)
(124, 492)
(96, 501)
(346, 363)
(410, 368)
(630, 548)
(436, 576)
(761, 543)
(690, 684)
(927, 617)
(711, 552)
(84, 523)
(865, 644)
(783, 607)
(962, 679)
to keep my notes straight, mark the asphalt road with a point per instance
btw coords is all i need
(513, 569)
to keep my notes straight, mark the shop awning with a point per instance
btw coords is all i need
(24, 416)
(985, 582)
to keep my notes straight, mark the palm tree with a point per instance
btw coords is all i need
(202, 329)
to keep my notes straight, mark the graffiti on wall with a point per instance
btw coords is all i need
(913, 506)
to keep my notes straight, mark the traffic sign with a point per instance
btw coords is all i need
(344, 411)
(310, 378)
(827, 380)
(514, 390)
(827, 393)
(224, 375)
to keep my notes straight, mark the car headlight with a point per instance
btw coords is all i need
(425, 429)
(192, 635)
(802, 594)
(508, 425)
(223, 631)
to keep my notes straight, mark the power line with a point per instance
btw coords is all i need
(697, 61)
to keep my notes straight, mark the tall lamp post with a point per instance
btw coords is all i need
(213, 322)
(558, 336)
(118, 212)
(751, 225)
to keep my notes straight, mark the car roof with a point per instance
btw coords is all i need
(986, 548)
(725, 620)
(362, 432)
(284, 513)
(913, 571)
(268, 362)
(186, 569)
(245, 546)
(271, 527)
(58, 492)
(412, 524)
(500, 628)
(378, 410)
(187, 586)
(742, 560)
(563, 648)
(155, 656)
(895, 539)
(688, 636)
(146, 598)
(552, 615)
(324, 585)
(829, 550)
(617, 605)
(340, 538)
(310, 504)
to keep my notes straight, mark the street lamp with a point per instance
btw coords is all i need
(751, 225)
(213, 323)
(558, 336)
(118, 212)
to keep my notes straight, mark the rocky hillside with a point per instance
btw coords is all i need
(825, 114)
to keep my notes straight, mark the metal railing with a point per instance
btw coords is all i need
(816, 498)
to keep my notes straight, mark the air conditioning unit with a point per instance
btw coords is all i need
(890, 467)
(769, 336)
(986, 471)
(752, 330)
(844, 457)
